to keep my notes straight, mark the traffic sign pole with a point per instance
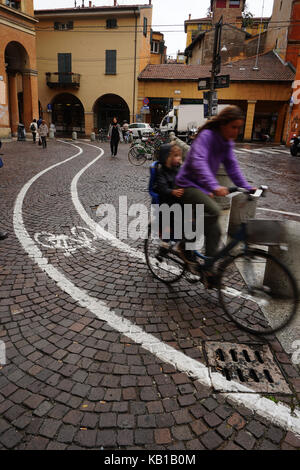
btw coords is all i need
(216, 65)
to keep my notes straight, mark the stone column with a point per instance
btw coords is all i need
(280, 123)
(13, 103)
(249, 120)
(89, 123)
(30, 97)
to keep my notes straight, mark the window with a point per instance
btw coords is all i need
(145, 27)
(111, 23)
(13, 4)
(221, 4)
(63, 26)
(234, 3)
(155, 47)
(110, 62)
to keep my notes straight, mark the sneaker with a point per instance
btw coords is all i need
(163, 244)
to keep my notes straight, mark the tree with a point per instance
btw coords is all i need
(247, 17)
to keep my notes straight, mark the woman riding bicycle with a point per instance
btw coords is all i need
(213, 145)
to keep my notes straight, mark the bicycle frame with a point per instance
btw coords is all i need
(240, 236)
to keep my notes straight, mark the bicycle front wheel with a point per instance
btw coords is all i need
(162, 261)
(137, 155)
(257, 292)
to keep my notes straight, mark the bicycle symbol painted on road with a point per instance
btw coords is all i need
(81, 238)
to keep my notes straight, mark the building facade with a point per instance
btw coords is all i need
(88, 60)
(158, 48)
(263, 93)
(240, 35)
(18, 68)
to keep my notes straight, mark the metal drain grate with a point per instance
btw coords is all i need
(250, 365)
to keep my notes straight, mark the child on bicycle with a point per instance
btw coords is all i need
(213, 145)
(170, 158)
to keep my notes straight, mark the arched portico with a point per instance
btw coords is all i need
(107, 107)
(21, 85)
(68, 114)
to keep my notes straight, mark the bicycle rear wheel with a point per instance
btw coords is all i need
(137, 155)
(162, 261)
(257, 292)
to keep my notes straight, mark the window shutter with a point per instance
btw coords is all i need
(64, 67)
(110, 62)
(145, 26)
(161, 47)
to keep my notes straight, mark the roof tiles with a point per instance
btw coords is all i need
(270, 69)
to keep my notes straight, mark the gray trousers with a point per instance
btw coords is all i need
(212, 231)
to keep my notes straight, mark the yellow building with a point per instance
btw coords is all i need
(88, 60)
(18, 70)
(158, 48)
(262, 92)
(192, 27)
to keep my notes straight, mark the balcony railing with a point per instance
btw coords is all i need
(63, 80)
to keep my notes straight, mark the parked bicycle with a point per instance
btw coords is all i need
(146, 148)
(256, 290)
(102, 136)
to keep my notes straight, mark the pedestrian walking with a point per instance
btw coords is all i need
(115, 135)
(43, 132)
(34, 129)
(39, 122)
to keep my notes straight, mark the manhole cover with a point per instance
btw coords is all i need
(250, 365)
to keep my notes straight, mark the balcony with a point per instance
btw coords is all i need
(63, 80)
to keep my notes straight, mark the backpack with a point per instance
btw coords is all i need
(153, 171)
(32, 127)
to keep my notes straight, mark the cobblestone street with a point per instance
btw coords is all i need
(99, 354)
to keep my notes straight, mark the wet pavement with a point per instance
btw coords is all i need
(100, 355)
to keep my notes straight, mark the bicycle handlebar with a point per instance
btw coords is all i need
(260, 192)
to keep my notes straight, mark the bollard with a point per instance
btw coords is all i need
(51, 134)
(183, 145)
(289, 257)
(241, 210)
(74, 135)
(224, 180)
(93, 136)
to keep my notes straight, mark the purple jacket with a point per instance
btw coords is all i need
(202, 163)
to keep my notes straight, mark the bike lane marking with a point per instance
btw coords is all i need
(278, 212)
(278, 414)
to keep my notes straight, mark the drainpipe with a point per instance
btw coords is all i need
(134, 64)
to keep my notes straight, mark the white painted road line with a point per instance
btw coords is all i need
(278, 212)
(279, 414)
(256, 152)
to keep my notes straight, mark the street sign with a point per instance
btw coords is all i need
(145, 110)
(206, 101)
(221, 81)
(146, 101)
(204, 84)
